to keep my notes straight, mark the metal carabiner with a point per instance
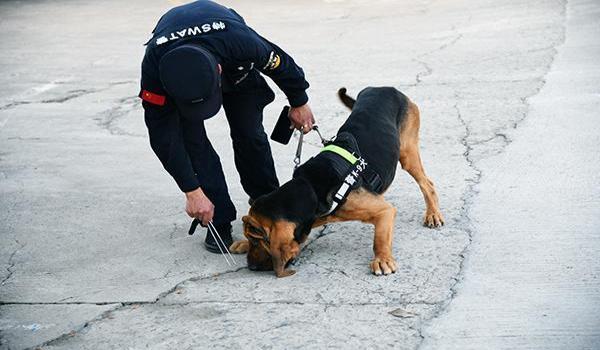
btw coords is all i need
(324, 141)
(298, 158)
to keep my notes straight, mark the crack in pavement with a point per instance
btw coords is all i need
(11, 263)
(121, 305)
(428, 70)
(111, 116)
(14, 104)
(464, 221)
(70, 95)
(118, 306)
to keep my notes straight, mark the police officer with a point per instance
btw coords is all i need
(201, 56)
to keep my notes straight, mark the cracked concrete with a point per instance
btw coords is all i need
(551, 301)
(106, 261)
(11, 263)
(111, 119)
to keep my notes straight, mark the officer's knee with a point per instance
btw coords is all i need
(248, 134)
(253, 140)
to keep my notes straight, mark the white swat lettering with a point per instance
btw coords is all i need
(194, 31)
(218, 25)
(191, 31)
(161, 40)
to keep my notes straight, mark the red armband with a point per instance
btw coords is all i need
(153, 98)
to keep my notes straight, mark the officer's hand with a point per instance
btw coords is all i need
(302, 118)
(199, 206)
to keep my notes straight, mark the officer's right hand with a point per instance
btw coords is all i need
(199, 206)
(302, 118)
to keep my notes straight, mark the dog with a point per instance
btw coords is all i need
(344, 182)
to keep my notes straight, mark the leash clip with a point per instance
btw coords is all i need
(298, 158)
(324, 141)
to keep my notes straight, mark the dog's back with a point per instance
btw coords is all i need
(375, 121)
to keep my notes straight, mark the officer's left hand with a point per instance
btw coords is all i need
(302, 118)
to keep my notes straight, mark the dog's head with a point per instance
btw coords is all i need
(276, 225)
(272, 244)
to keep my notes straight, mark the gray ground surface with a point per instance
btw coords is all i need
(94, 246)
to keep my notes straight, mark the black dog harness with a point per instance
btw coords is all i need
(350, 170)
(350, 181)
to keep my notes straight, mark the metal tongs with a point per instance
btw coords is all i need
(217, 237)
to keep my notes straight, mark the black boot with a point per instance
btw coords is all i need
(224, 231)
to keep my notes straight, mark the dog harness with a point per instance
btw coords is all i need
(350, 181)
(350, 170)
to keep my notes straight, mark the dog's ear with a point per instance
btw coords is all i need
(283, 247)
(346, 100)
(249, 220)
(252, 226)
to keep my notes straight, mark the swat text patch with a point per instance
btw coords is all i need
(192, 31)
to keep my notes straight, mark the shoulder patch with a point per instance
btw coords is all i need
(274, 61)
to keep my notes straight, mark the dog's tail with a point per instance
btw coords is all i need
(346, 100)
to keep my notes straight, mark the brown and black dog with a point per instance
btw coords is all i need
(382, 129)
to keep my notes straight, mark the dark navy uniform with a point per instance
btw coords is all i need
(180, 140)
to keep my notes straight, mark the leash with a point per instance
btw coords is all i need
(217, 237)
(298, 158)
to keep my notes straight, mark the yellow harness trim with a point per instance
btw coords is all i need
(341, 152)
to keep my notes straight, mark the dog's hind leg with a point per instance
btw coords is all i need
(410, 160)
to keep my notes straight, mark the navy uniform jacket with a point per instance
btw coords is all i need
(239, 50)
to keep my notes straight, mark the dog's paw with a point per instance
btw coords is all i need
(383, 266)
(433, 219)
(285, 273)
(239, 247)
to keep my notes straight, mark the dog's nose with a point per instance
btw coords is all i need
(252, 267)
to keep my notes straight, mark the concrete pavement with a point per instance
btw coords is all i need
(94, 237)
(532, 276)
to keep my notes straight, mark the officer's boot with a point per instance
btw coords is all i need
(224, 231)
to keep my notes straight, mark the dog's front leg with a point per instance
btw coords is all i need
(367, 207)
(240, 247)
(384, 262)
